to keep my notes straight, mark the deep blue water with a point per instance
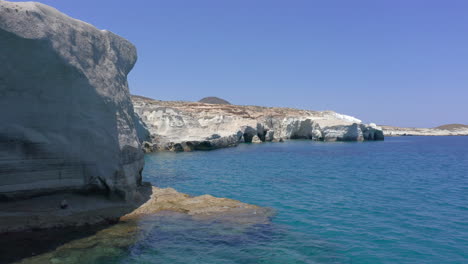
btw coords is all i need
(402, 200)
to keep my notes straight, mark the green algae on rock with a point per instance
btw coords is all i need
(115, 240)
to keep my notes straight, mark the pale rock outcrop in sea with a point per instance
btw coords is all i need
(67, 118)
(445, 130)
(186, 126)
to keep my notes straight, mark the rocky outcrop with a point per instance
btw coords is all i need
(110, 241)
(446, 130)
(186, 126)
(452, 127)
(41, 212)
(204, 206)
(67, 118)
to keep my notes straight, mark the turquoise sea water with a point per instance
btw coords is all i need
(402, 200)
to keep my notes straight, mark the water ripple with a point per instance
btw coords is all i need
(404, 200)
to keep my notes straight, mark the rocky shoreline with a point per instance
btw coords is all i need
(447, 130)
(119, 225)
(70, 149)
(188, 126)
(72, 138)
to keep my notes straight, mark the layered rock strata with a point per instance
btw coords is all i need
(187, 126)
(70, 152)
(67, 118)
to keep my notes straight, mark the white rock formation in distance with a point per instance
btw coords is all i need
(66, 116)
(186, 126)
(447, 130)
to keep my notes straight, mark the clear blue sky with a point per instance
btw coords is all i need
(397, 62)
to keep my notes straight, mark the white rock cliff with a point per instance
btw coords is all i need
(186, 126)
(67, 120)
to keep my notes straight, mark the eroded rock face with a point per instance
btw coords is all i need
(256, 139)
(67, 118)
(194, 124)
(270, 135)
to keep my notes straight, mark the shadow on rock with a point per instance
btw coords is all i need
(37, 225)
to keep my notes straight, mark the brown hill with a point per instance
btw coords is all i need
(214, 100)
(452, 126)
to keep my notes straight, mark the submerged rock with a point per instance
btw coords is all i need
(114, 241)
(204, 206)
(67, 118)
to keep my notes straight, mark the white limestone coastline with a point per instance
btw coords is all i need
(187, 126)
(445, 130)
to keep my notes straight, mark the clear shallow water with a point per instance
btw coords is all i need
(403, 200)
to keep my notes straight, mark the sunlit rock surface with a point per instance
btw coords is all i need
(67, 120)
(109, 243)
(185, 126)
(204, 206)
(445, 130)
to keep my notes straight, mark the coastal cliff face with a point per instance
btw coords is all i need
(67, 120)
(446, 130)
(187, 126)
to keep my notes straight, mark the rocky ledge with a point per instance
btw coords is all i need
(445, 130)
(109, 241)
(187, 126)
(44, 212)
